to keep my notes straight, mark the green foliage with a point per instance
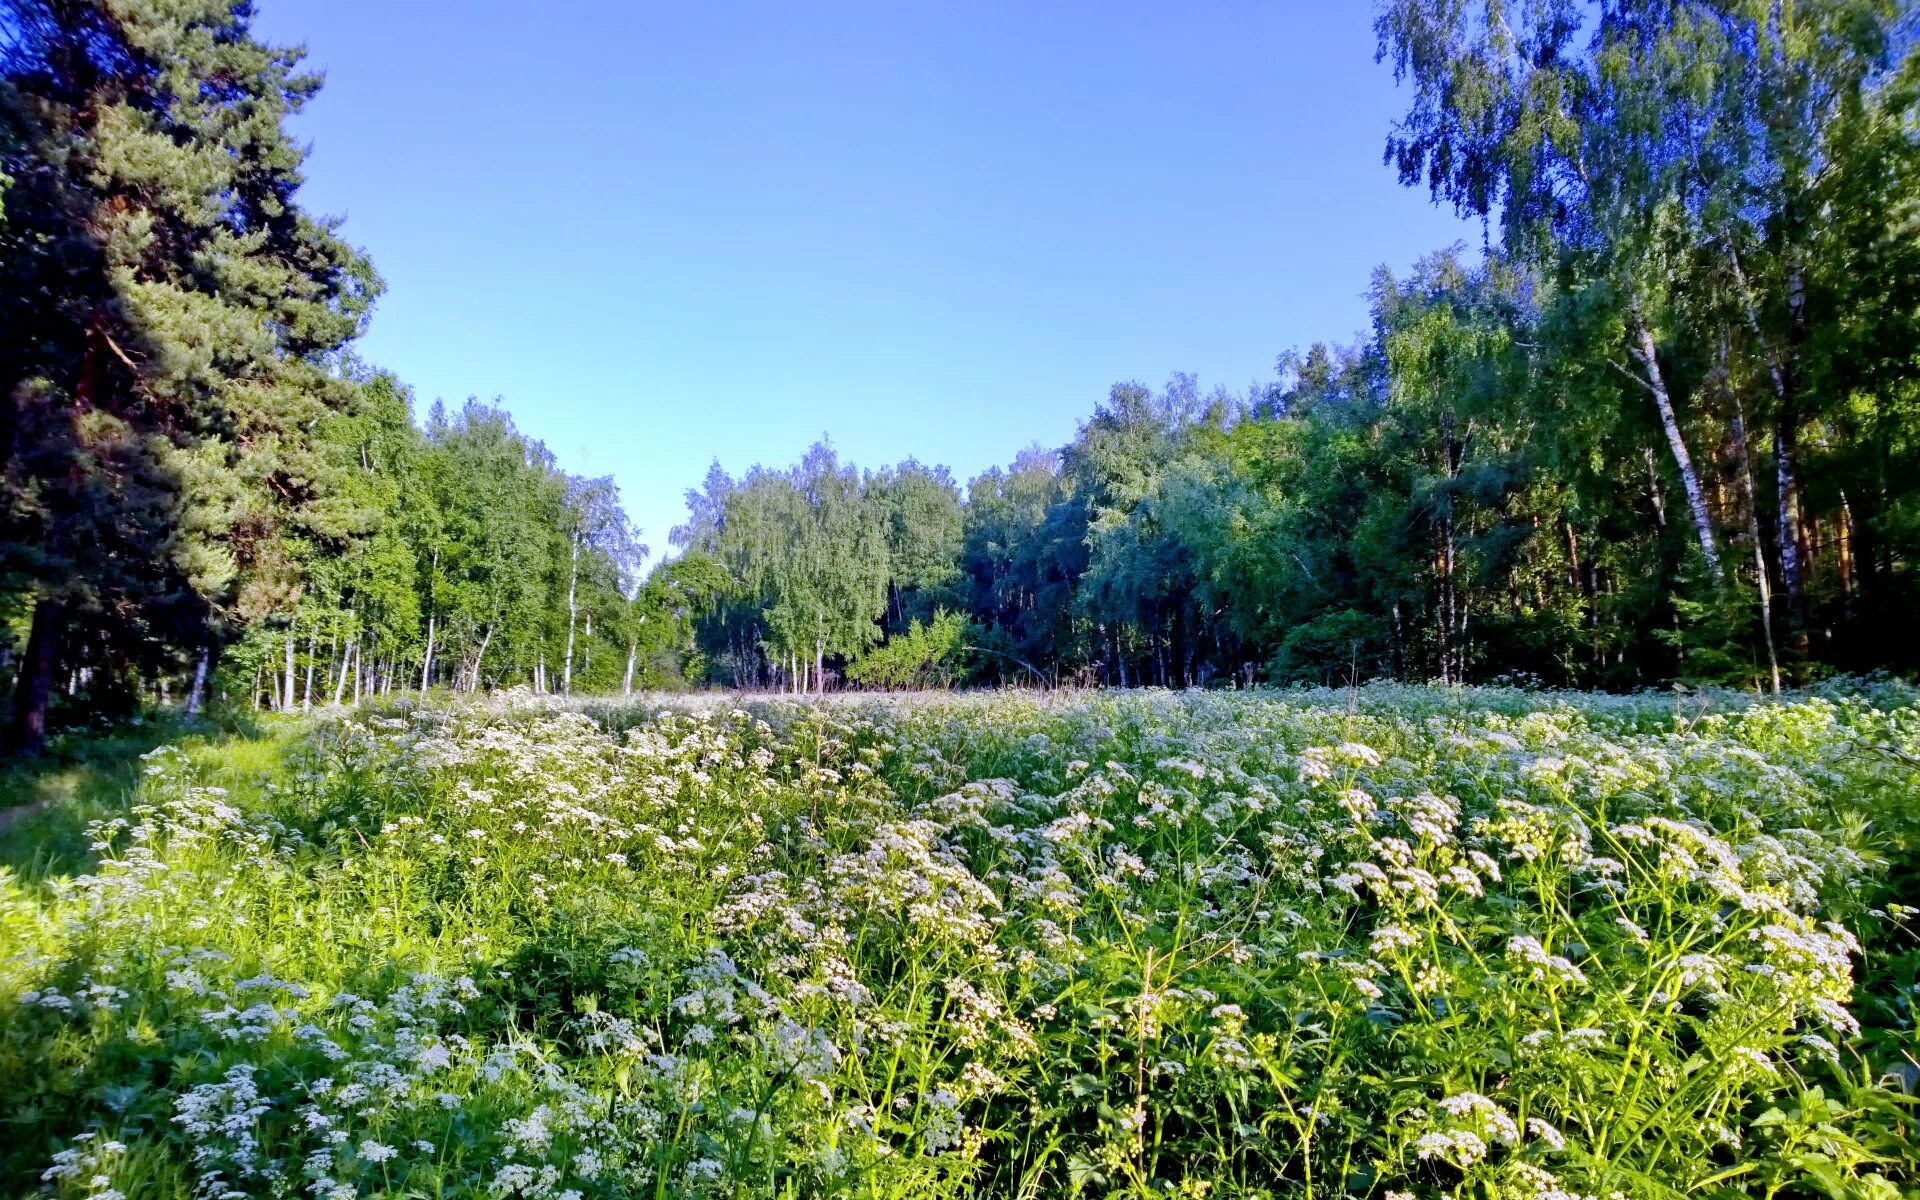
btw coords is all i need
(1334, 646)
(1663, 429)
(931, 653)
(194, 468)
(168, 311)
(659, 621)
(464, 557)
(820, 556)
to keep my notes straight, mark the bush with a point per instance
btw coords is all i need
(929, 654)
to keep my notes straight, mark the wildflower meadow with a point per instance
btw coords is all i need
(1391, 942)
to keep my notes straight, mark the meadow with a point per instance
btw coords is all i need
(1390, 942)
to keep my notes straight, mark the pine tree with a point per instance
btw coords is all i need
(166, 315)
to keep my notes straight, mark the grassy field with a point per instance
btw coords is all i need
(1396, 942)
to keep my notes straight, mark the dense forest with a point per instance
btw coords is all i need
(1664, 423)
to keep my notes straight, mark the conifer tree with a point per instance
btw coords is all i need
(166, 314)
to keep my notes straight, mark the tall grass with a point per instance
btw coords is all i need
(1388, 942)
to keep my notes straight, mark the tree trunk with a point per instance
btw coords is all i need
(1843, 551)
(197, 694)
(473, 678)
(33, 690)
(426, 663)
(1399, 648)
(1461, 640)
(1653, 491)
(1786, 462)
(1446, 599)
(633, 654)
(573, 609)
(346, 664)
(1655, 382)
(286, 693)
(1739, 431)
(337, 674)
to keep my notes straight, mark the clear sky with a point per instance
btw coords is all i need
(664, 233)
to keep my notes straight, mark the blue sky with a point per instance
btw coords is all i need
(662, 234)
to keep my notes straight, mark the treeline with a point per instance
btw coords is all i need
(1666, 426)
(455, 555)
(203, 491)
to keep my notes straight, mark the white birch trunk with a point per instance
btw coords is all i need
(426, 664)
(346, 664)
(198, 692)
(1759, 547)
(1644, 351)
(286, 694)
(473, 679)
(573, 609)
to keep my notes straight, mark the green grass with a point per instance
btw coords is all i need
(46, 804)
(1397, 941)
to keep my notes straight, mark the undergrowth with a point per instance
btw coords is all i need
(1390, 942)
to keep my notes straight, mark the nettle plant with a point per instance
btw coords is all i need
(1393, 942)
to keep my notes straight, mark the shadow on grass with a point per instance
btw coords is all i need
(47, 803)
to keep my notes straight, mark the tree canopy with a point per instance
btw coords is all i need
(1664, 424)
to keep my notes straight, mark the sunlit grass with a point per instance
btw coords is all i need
(46, 804)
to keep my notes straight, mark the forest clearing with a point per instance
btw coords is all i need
(1387, 941)
(565, 740)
